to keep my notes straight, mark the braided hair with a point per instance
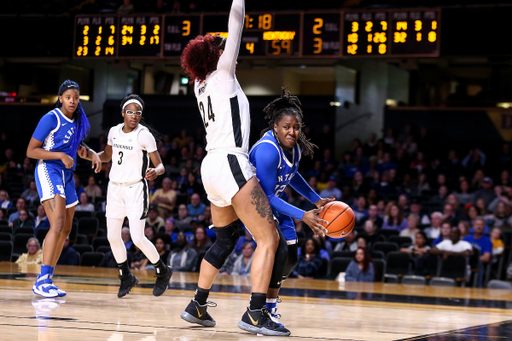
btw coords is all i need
(287, 104)
(82, 123)
(156, 134)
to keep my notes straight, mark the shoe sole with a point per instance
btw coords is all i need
(167, 287)
(43, 294)
(130, 290)
(258, 330)
(192, 319)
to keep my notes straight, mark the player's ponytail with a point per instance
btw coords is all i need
(136, 98)
(82, 123)
(288, 104)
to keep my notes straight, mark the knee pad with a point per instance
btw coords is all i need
(280, 261)
(293, 258)
(227, 237)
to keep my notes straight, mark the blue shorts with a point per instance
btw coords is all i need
(287, 227)
(52, 180)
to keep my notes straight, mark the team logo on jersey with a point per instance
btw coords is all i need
(60, 188)
(68, 135)
(202, 89)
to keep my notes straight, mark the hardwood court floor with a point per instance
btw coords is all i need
(312, 310)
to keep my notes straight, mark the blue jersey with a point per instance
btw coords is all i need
(276, 169)
(56, 132)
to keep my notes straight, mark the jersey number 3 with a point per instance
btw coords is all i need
(211, 115)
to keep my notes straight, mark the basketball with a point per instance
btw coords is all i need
(341, 219)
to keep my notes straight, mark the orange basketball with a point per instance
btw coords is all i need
(341, 219)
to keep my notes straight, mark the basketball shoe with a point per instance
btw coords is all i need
(196, 313)
(272, 310)
(259, 322)
(44, 287)
(127, 283)
(162, 282)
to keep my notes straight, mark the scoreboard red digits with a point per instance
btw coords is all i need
(321, 34)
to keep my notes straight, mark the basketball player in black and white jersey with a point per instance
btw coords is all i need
(130, 146)
(228, 177)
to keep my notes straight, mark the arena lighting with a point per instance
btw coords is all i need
(184, 80)
(391, 102)
(504, 105)
(335, 104)
(85, 97)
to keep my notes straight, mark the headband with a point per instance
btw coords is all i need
(133, 101)
(72, 86)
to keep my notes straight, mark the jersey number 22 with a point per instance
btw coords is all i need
(207, 116)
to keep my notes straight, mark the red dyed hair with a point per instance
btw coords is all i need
(200, 57)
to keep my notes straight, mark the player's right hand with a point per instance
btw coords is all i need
(67, 160)
(311, 218)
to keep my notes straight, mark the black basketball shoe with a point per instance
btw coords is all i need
(162, 282)
(127, 283)
(259, 322)
(196, 313)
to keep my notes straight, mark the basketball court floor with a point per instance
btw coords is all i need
(311, 309)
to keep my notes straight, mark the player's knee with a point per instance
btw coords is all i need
(227, 237)
(292, 260)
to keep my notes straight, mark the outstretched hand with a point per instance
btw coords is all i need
(96, 162)
(323, 201)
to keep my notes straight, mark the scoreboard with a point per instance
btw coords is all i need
(334, 34)
(391, 33)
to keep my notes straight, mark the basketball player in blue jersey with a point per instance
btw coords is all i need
(276, 157)
(130, 146)
(229, 178)
(54, 144)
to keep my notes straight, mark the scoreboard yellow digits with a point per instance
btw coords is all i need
(95, 36)
(415, 32)
(329, 34)
(366, 33)
(321, 34)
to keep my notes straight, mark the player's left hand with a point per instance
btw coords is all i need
(96, 162)
(151, 174)
(323, 201)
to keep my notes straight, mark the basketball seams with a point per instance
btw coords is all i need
(323, 214)
(351, 222)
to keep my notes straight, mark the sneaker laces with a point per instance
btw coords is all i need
(211, 304)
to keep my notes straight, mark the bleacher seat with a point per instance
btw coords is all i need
(337, 265)
(385, 247)
(417, 280)
(5, 236)
(20, 243)
(91, 259)
(83, 248)
(6, 248)
(398, 263)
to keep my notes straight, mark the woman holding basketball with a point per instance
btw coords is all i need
(228, 176)
(276, 157)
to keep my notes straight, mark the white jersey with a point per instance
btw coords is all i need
(223, 105)
(225, 113)
(130, 158)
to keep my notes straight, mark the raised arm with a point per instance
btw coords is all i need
(227, 62)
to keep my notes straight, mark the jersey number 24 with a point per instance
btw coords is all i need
(207, 116)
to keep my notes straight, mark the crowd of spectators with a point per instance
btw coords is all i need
(396, 186)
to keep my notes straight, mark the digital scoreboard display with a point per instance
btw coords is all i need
(95, 36)
(140, 36)
(391, 33)
(178, 31)
(321, 34)
(264, 34)
(335, 34)
(415, 32)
